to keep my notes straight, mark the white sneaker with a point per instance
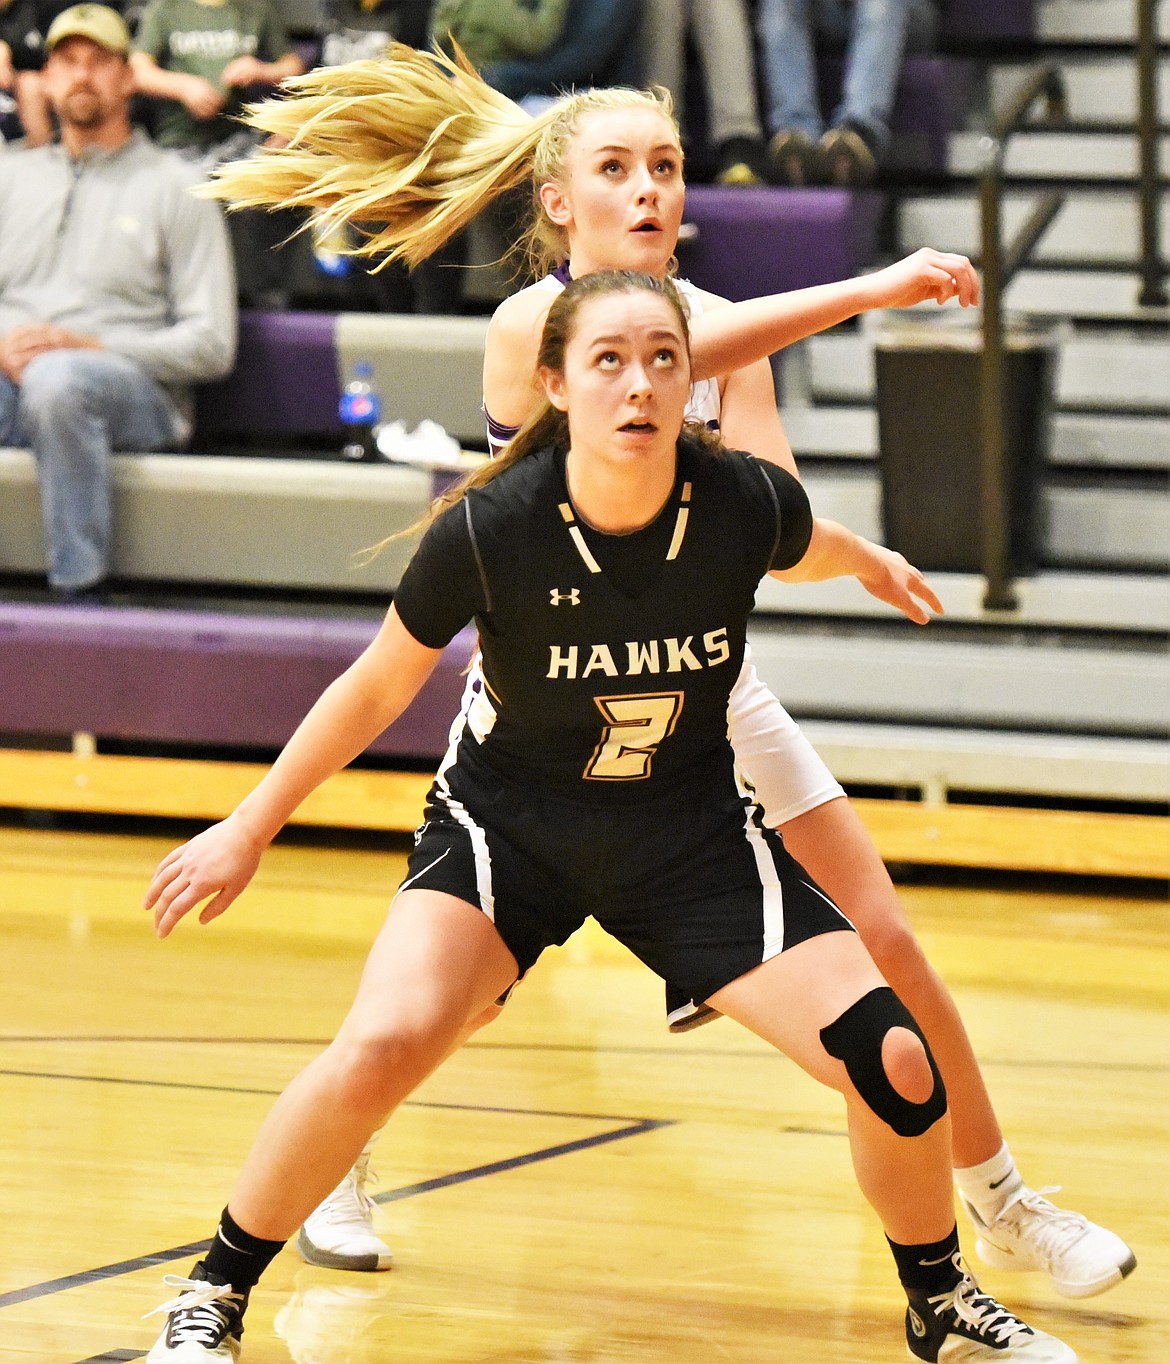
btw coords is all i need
(1079, 1257)
(204, 1323)
(340, 1234)
(967, 1326)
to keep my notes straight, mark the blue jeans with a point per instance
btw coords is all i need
(72, 407)
(875, 34)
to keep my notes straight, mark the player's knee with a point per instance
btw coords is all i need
(907, 1065)
(889, 1062)
(372, 1068)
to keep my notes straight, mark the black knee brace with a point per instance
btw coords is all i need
(856, 1038)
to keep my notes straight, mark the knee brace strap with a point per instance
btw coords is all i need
(856, 1039)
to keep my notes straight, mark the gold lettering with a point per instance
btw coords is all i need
(558, 661)
(718, 649)
(642, 657)
(601, 661)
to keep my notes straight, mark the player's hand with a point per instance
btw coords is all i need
(202, 99)
(927, 274)
(214, 866)
(244, 71)
(891, 578)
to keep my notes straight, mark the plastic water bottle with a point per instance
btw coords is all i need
(360, 411)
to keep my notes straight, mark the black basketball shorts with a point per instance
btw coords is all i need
(697, 887)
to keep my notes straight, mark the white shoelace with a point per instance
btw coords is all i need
(203, 1320)
(976, 1309)
(1055, 1231)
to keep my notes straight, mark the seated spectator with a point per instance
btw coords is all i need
(116, 293)
(199, 57)
(357, 30)
(874, 34)
(498, 30)
(23, 25)
(723, 38)
(597, 47)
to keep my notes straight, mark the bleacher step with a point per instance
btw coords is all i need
(1116, 527)
(1095, 227)
(852, 672)
(1120, 372)
(1048, 600)
(1100, 89)
(1072, 156)
(1094, 21)
(1089, 295)
(1080, 440)
(941, 761)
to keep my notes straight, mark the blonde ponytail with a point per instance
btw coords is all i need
(409, 149)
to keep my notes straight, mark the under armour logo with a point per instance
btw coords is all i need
(572, 596)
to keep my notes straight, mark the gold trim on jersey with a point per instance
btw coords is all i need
(680, 525)
(578, 539)
(676, 540)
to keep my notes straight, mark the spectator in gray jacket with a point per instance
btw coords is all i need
(116, 293)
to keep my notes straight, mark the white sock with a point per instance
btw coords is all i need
(988, 1187)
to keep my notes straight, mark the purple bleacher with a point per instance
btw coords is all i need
(284, 382)
(764, 241)
(197, 677)
(988, 21)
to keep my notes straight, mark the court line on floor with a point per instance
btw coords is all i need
(671, 1049)
(274, 1093)
(90, 1276)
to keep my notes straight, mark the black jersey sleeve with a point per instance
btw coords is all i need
(794, 515)
(442, 588)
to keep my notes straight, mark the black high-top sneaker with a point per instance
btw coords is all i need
(967, 1326)
(205, 1322)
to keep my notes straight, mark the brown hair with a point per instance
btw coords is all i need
(409, 148)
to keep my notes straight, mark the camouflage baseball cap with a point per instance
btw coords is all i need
(98, 23)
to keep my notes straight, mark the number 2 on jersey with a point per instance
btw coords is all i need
(635, 726)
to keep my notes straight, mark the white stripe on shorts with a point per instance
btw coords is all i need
(771, 892)
(458, 812)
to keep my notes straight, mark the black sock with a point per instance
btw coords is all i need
(236, 1256)
(928, 1269)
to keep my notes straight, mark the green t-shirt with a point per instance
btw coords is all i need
(201, 40)
(499, 30)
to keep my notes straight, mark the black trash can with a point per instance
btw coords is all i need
(931, 439)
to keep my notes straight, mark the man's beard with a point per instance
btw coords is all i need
(82, 109)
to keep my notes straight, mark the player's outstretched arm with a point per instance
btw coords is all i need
(835, 552)
(728, 337)
(351, 712)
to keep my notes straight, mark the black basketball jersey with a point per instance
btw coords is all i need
(592, 683)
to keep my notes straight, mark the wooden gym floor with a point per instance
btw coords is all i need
(576, 1185)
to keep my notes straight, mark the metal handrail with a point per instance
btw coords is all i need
(1153, 287)
(999, 266)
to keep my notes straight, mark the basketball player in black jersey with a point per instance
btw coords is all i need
(610, 566)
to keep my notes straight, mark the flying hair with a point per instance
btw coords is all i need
(408, 149)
